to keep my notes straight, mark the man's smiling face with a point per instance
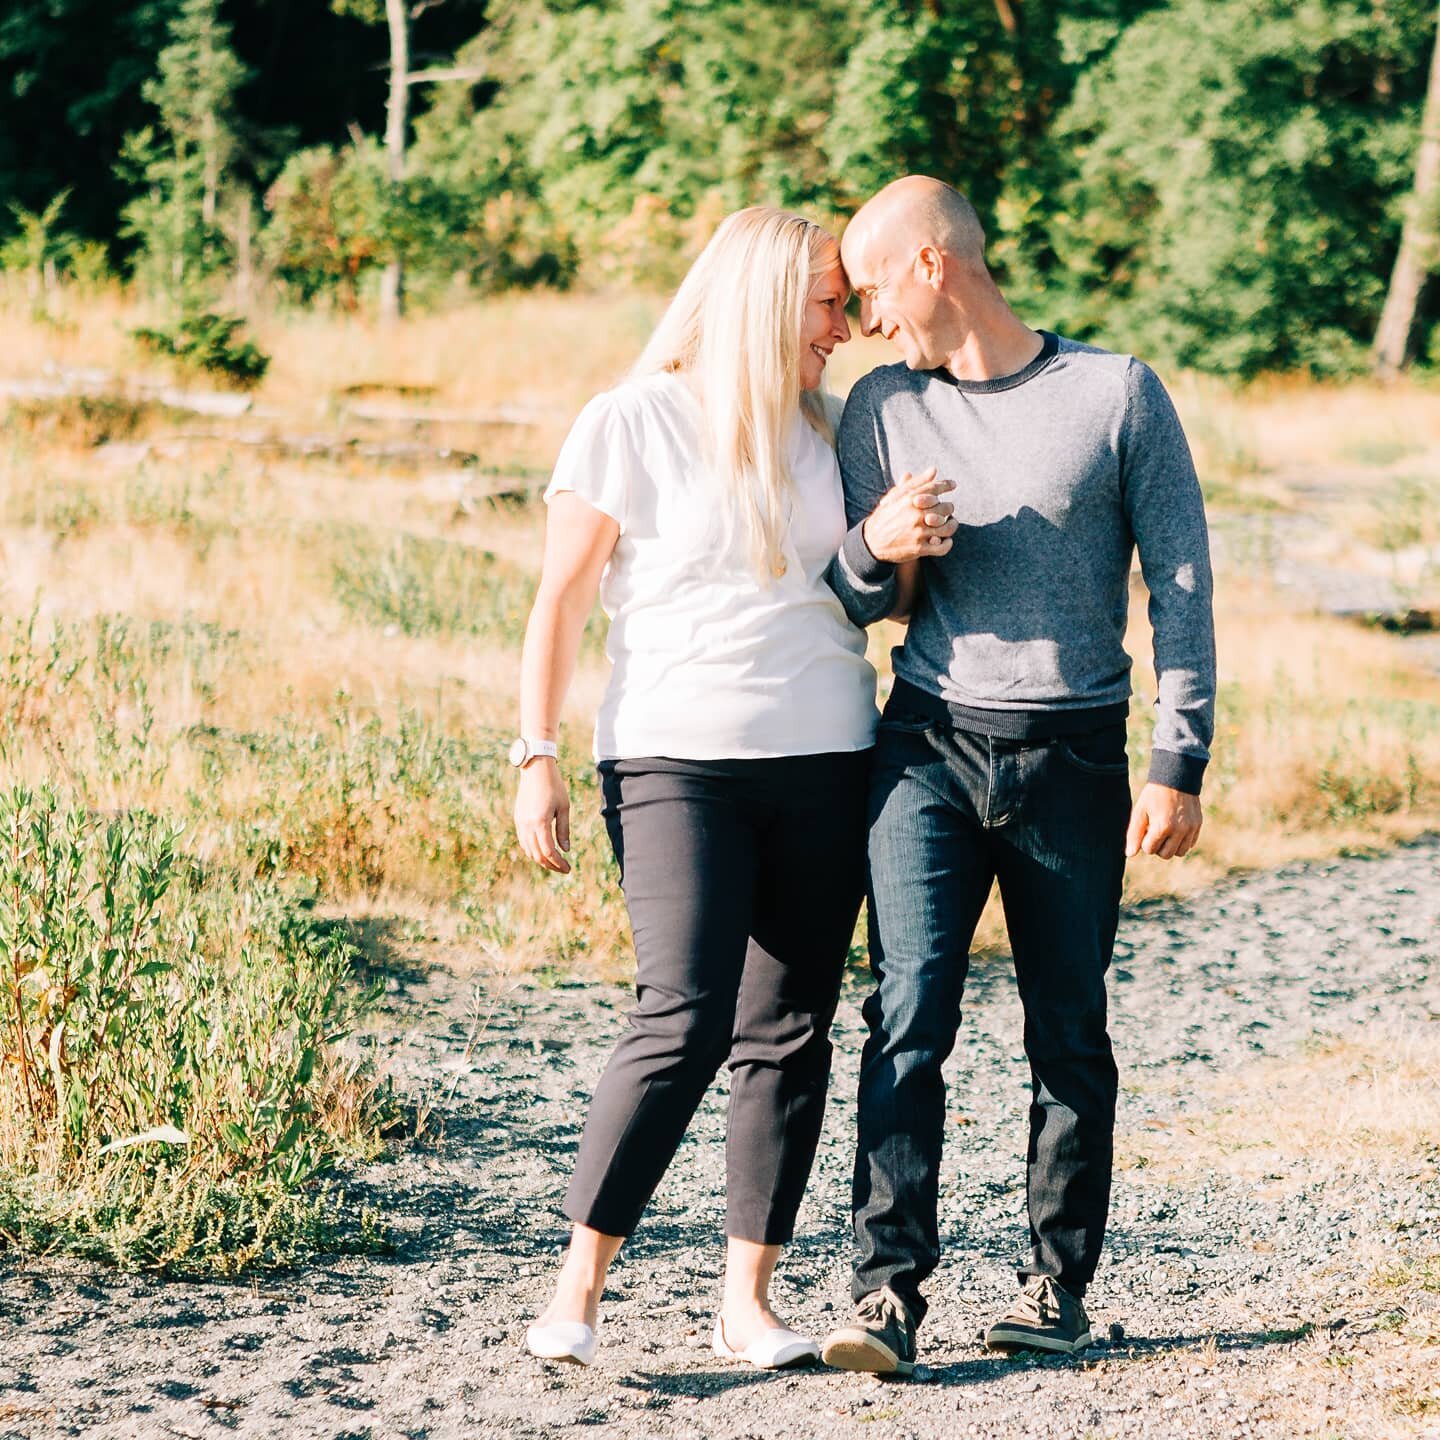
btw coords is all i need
(896, 299)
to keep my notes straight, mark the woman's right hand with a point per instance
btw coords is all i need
(542, 815)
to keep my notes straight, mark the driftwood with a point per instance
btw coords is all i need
(409, 415)
(101, 385)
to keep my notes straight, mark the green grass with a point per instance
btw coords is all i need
(175, 1077)
(1378, 450)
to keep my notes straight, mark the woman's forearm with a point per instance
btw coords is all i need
(907, 577)
(547, 663)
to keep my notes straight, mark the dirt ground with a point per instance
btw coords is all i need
(1272, 1269)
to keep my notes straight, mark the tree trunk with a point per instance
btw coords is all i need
(396, 117)
(244, 269)
(210, 148)
(1419, 240)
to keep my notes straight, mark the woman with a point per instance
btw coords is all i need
(702, 496)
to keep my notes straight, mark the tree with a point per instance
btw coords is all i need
(38, 249)
(1419, 240)
(182, 160)
(399, 17)
(927, 88)
(631, 125)
(71, 73)
(1231, 213)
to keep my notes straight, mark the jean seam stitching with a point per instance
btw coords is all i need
(989, 778)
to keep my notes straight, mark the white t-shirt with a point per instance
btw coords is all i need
(708, 663)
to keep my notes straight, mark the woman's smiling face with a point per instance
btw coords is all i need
(825, 325)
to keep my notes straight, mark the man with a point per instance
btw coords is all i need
(1002, 750)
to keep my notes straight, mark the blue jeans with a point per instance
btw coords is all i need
(952, 811)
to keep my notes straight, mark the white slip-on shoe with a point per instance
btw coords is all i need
(569, 1341)
(777, 1349)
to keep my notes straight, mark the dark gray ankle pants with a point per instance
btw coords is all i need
(743, 880)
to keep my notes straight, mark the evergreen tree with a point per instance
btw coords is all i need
(183, 159)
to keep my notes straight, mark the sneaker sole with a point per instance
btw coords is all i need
(1008, 1341)
(855, 1350)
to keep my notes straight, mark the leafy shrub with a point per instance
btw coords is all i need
(336, 218)
(205, 341)
(168, 1030)
(83, 420)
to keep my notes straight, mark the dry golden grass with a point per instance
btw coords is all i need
(1341, 1103)
(1290, 426)
(1329, 734)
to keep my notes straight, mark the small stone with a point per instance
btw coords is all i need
(1117, 1333)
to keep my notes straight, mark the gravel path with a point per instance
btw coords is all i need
(1242, 1301)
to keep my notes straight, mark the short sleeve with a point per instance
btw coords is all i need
(597, 459)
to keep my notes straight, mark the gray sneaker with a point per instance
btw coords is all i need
(1044, 1317)
(880, 1342)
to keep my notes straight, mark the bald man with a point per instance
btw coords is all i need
(1001, 754)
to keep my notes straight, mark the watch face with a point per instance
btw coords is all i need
(519, 753)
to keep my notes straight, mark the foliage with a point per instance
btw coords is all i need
(182, 159)
(1216, 183)
(38, 248)
(931, 89)
(1239, 212)
(629, 117)
(336, 218)
(208, 342)
(168, 1029)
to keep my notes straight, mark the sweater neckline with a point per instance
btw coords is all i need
(1049, 349)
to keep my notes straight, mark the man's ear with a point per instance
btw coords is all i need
(930, 267)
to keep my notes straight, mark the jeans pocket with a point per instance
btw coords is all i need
(899, 720)
(1097, 752)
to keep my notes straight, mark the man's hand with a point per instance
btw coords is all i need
(911, 520)
(1164, 822)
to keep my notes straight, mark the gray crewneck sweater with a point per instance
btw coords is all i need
(1061, 471)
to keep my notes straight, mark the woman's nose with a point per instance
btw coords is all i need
(841, 330)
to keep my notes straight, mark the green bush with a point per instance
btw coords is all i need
(173, 1076)
(205, 341)
(1238, 212)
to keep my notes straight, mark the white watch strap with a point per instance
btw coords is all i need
(543, 747)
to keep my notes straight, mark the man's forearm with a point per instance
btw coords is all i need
(1184, 631)
(868, 588)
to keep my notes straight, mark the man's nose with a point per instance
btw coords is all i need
(868, 323)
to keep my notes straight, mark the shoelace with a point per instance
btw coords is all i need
(1038, 1302)
(879, 1307)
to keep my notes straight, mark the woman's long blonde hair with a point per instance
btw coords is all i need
(734, 328)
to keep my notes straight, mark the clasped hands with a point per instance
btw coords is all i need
(911, 520)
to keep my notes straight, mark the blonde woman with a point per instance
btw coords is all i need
(702, 497)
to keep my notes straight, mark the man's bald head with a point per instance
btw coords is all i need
(909, 214)
(915, 257)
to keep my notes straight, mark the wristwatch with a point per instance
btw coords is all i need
(523, 751)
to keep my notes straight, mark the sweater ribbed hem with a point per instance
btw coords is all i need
(1178, 772)
(861, 561)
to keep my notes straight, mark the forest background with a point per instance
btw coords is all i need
(1217, 184)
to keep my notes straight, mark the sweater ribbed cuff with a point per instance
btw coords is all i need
(1178, 772)
(861, 562)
